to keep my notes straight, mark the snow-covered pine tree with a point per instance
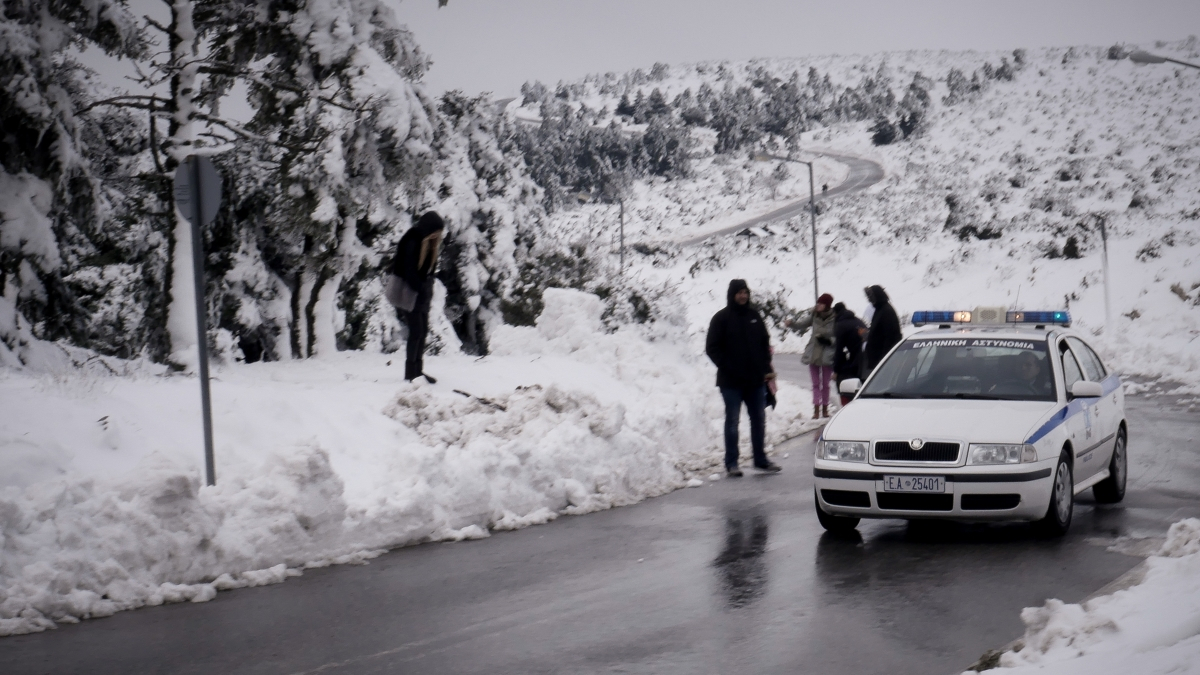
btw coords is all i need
(914, 106)
(340, 142)
(493, 211)
(53, 209)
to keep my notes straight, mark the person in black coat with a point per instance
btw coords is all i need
(884, 332)
(740, 346)
(416, 261)
(848, 332)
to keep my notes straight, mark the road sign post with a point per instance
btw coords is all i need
(198, 196)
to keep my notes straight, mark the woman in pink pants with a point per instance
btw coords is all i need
(818, 354)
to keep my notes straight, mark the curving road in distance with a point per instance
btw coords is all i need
(863, 174)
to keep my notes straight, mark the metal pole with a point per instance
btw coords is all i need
(201, 330)
(622, 216)
(1183, 63)
(812, 203)
(1107, 296)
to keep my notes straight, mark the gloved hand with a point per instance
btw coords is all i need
(824, 340)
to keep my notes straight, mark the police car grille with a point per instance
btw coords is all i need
(900, 451)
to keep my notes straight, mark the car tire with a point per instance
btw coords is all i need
(1057, 520)
(836, 524)
(1112, 489)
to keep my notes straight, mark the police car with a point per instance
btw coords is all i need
(983, 415)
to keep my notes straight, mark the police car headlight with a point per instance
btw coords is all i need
(845, 451)
(993, 453)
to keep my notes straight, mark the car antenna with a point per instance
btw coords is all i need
(1017, 302)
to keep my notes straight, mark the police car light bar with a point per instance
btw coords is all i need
(922, 318)
(1057, 318)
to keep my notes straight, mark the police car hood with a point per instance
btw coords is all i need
(967, 421)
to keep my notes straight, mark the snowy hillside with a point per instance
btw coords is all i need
(999, 200)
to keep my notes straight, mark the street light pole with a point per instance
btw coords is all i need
(1144, 57)
(812, 207)
(1140, 56)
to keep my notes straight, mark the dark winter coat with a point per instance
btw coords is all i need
(408, 263)
(847, 345)
(884, 332)
(738, 343)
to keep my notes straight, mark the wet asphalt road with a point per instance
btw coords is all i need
(734, 577)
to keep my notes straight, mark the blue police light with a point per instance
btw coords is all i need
(922, 318)
(1059, 318)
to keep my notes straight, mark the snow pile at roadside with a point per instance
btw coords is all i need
(331, 460)
(1153, 627)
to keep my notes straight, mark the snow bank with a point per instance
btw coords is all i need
(1153, 627)
(333, 460)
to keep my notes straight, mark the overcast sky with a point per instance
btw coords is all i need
(496, 45)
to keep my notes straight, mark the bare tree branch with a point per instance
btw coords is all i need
(251, 136)
(249, 75)
(134, 101)
(155, 24)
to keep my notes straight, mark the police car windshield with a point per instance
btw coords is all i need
(967, 368)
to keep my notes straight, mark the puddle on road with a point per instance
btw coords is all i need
(1139, 547)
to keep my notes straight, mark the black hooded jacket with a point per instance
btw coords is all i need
(885, 329)
(407, 263)
(847, 345)
(738, 343)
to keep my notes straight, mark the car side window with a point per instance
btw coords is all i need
(1071, 371)
(1088, 359)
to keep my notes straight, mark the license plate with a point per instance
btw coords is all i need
(914, 484)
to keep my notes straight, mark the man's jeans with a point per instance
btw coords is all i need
(755, 399)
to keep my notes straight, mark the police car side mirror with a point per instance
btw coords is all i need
(849, 386)
(1085, 389)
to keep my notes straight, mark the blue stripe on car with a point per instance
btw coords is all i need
(1111, 383)
(1108, 386)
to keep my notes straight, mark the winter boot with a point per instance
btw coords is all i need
(816, 412)
(824, 411)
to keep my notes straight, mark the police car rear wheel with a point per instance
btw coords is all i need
(1112, 489)
(831, 522)
(1057, 520)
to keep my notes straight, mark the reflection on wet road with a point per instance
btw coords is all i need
(740, 565)
(734, 577)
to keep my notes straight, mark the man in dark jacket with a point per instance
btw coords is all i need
(848, 333)
(739, 345)
(884, 332)
(416, 261)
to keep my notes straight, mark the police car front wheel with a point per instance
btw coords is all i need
(831, 522)
(1112, 489)
(1057, 520)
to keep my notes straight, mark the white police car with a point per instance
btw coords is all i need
(985, 415)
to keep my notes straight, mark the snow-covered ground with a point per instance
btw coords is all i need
(333, 459)
(1150, 628)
